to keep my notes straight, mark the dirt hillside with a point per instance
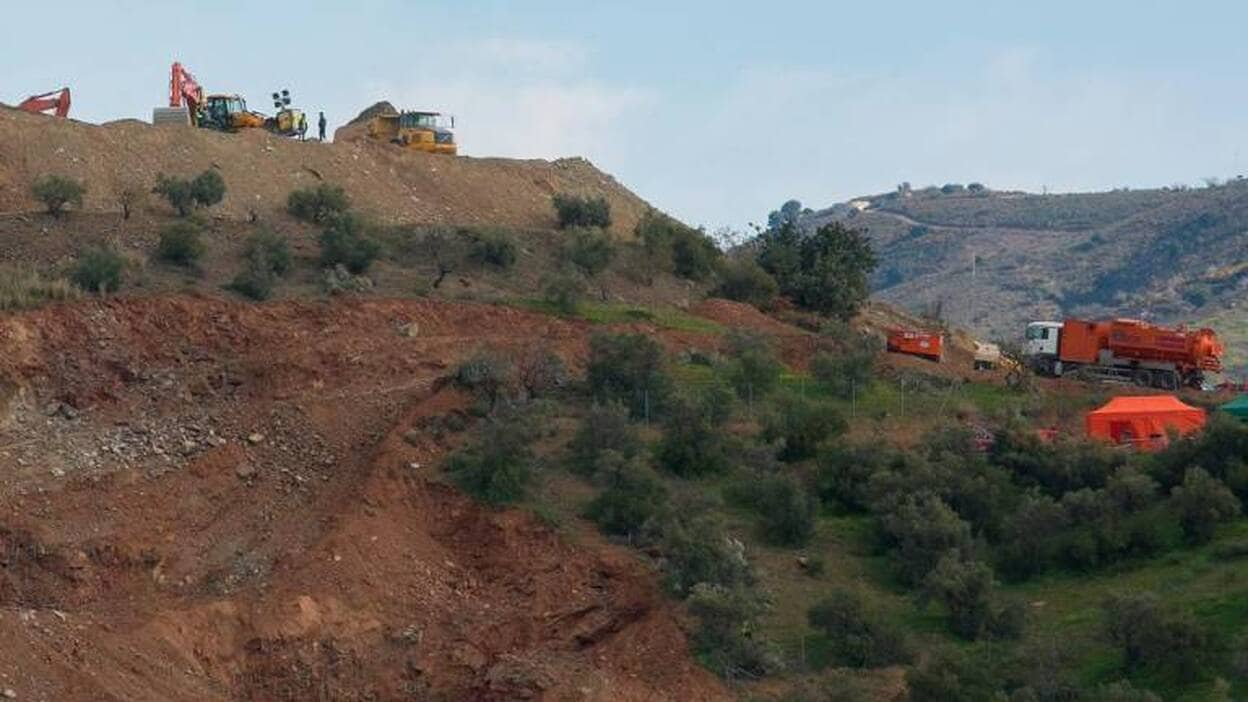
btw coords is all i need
(207, 500)
(390, 184)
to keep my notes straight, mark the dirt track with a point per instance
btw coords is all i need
(207, 500)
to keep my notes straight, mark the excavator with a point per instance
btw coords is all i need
(57, 100)
(222, 112)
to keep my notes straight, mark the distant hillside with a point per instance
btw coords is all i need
(994, 260)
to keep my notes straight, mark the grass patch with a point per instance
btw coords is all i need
(621, 313)
(23, 288)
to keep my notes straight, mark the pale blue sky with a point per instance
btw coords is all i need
(714, 111)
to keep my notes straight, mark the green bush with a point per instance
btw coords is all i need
(630, 369)
(577, 211)
(347, 242)
(180, 244)
(205, 190)
(590, 250)
(268, 251)
(965, 588)
(949, 674)
(849, 372)
(1202, 502)
(56, 191)
(605, 428)
(695, 548)
(492, 247)
(564, 293)
(800, 426)
(922, 529)
(1154, 637)
(825, 271)
(860, 637)
(208, 188)
(633, 496)
(786, 511)
(498, 467)
(726, 639)
(743, 280)
(693, 443)
(687, 252)
(487, 375)
(753, 370)
(99, 270)
(317, 205)
(253, 282)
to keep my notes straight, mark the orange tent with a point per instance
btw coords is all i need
(1143, 421)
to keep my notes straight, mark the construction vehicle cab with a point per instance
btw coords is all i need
(1042, 340)
(422, 131)
(228, 113)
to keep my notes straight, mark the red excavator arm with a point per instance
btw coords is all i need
(183, 88)
(56, 100)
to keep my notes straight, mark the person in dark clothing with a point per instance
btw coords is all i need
(320, 123)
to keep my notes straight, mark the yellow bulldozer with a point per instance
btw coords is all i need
(422, 131)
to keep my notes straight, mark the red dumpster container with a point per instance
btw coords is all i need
(929, 345)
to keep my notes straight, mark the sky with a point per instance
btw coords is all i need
(716, 112)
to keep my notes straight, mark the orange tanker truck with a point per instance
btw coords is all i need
(1123, 350)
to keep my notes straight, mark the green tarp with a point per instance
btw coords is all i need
(1237, 407)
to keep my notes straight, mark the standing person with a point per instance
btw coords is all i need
(320, 123)
(303, 126)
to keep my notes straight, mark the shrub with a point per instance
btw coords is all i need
(22, 288)
(1153, 637)
(492, 247)
(488, 375)
(726, 639)
(786, 511)
(177, 191)
(754, 369)
(687, 252)
(204, 190)
(845, 471)
(860, 637)
(99, 270)
(923, 529)
(949, 674)
(208, 188)
(55, 192)
(1221, 449)
(590, 250)
(498, 466)
(564, 293)
(268, 251)
(253, 282)
(743, 280)
(826, 271)
(964, 587)
(800, 426)
(577, 211)
(180, 244)
(346, 242)
(130, 198)
(605, 428)
(693, 444)
(695, 549)
(317, 205)
(849, 372)
(1031, 539)
(539, 371)
(630, 369)
(1202, 502)
(634, 495)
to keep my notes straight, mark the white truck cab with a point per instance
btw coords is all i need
(1042, 339)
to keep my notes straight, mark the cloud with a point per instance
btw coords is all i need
(521, 98)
